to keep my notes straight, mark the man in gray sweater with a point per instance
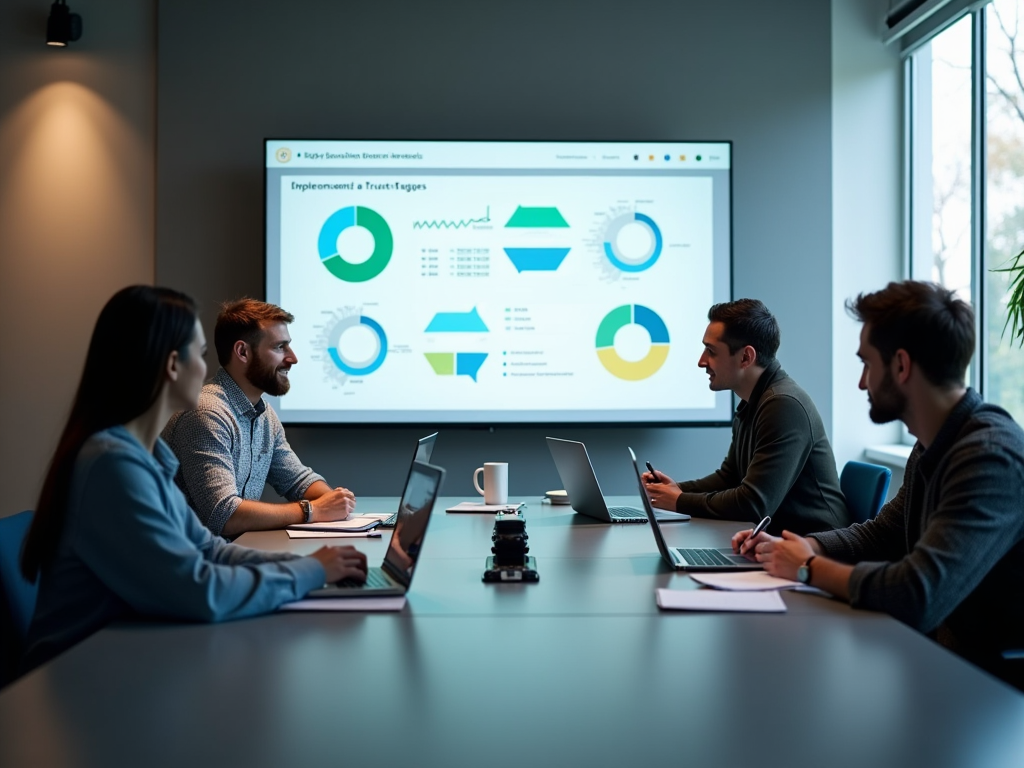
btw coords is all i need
(946, 555)
(780, 462)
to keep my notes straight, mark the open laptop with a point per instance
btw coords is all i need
(585, 497)
(705, 559)
(424, 447)
(394, 575)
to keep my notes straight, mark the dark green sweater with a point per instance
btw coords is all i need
(780, 464)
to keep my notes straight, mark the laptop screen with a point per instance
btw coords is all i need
(424, 447)
(655, 528)
(413, 516)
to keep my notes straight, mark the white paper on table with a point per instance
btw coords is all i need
(332, 535)
(374, 515)
(352, 524)
(744, 581)
(476, 506)
(751, 581)
(717, 600)
(347, 604)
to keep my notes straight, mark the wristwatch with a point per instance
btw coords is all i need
(307, 510)
(803, 573)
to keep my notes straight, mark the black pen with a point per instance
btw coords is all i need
(759, 527)
(651, 470)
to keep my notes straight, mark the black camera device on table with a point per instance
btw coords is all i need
(510, 561)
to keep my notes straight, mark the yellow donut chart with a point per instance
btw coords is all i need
(605, 343)
(635, 371)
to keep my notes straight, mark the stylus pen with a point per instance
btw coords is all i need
(759, 527)
(650, 469)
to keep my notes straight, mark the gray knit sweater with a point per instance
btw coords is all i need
(946, 555)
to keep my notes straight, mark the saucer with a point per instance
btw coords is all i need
(557, 497)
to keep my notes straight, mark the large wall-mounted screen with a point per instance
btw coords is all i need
(474, 282)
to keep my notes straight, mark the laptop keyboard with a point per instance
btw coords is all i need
(705, 557)
(626, 512)
(374, 578)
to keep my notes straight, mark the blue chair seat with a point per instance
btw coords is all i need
(864, 486)
(17, 596)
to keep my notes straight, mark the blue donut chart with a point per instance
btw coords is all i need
(618, 259)
(370, 364)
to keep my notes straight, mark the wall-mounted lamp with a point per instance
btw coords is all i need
(63, 26)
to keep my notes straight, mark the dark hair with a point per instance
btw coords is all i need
(748, 323)
(244, 320)
(933, 326)
(142, 325)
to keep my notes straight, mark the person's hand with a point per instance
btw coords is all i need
(661, 490)
(782, 557)
(341, 563)
(743, 544)
(333, 505)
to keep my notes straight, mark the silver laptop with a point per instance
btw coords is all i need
(424, 447)
(706, 559)
(394, 575)
(580, 483)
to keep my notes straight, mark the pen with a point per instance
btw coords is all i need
(651, 470)
(759, 527)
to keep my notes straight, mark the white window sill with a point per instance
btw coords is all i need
(889, 455)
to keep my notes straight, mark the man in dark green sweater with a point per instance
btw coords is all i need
(780, 462)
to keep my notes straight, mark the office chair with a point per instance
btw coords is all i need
(17, 596)
(864, 486)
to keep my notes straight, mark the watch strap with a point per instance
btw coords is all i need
(307, 510)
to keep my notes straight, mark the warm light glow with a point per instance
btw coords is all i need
(56, 44)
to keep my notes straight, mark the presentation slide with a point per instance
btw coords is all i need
(498, 282)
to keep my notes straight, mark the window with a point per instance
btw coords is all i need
(1004, 195)
(966, 177)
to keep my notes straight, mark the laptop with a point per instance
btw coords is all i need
(706, 559)
(394, 575)
(424, 447)
(585, 497)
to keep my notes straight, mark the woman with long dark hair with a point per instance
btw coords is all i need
(112, 535)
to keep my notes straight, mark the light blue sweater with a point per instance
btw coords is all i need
(132, 546)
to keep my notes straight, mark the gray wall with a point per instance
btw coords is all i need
(230, 74)
(76, 210)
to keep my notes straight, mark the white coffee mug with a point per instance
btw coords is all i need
(495, 490)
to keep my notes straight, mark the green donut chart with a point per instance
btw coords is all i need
(338, 222)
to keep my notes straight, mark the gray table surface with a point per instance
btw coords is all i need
(579, 669)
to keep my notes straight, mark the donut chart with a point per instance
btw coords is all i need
(370, 363)
(620, 317)
(338, 222)
(634, 263)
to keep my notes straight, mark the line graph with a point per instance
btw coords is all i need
(443, 224)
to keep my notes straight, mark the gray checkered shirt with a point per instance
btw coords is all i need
(229, 450)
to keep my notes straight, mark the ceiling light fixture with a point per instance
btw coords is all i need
(63, 26)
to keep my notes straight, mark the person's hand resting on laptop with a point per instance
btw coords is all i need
(661, 490)
(341, 563)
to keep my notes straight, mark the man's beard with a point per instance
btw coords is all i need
(264, 376)
(888, 403)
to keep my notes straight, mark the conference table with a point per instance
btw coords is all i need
(581, 668)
